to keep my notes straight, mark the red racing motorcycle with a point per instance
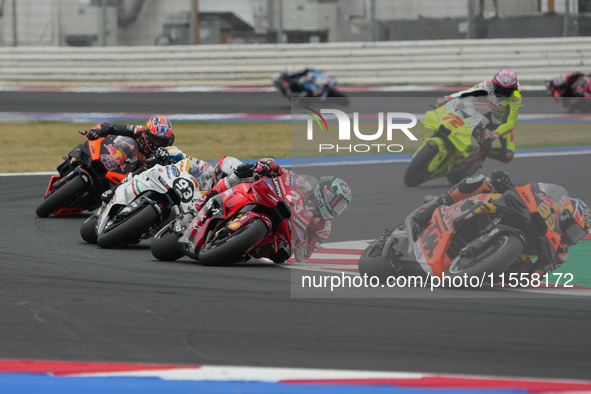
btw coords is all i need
(249, 220)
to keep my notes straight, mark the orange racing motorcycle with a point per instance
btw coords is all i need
(87, 171)
(485, 234)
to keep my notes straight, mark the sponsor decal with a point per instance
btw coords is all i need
(299, 223)
(272, 197)
(277, 187)
(184, 189)
(108, 161)
(176, 171)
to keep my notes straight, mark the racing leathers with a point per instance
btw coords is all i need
(291, 83)
(495, 186)
(504, 117)
(309, 229)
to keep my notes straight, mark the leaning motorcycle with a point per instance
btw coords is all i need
(249, 220)
(315, 83)
(141, 204)
(482, 235)
(455, 148)
(574, 96)
(87, 171)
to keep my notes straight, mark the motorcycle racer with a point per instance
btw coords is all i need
(570, 88)
(572, 214)
(155, 134)
(505, 100)
(290, 83)
(314, 204)
(202, 171)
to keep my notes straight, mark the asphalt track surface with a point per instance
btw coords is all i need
(218, 102)
(62, 299)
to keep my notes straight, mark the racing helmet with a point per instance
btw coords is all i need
(225, 167)
(158, 133)
(575, 220)
(504, 83)
(332, 196)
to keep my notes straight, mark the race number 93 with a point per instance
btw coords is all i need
(184, 189)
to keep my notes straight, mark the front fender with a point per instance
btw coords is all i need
(439, 144)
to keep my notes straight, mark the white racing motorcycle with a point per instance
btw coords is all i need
(141, 204)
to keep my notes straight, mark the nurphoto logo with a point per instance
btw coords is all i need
(393, 123)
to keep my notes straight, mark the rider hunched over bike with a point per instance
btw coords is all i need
(155, 141)
(573, 216)
(571, 88)
(291, 83)
(323, 200)
(505, 102)
(155, 134)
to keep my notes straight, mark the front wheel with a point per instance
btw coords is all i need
(417, 171)
(373, 262)
(165, 247)
(62, 196)
(88, 229)
(497, 256)
(130, 228)
(226, 247)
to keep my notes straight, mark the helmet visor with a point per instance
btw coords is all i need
(572, 232)
(158, 140)
(336, 204)
(501, 91)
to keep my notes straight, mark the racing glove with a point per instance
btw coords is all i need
(245, 170)
(100, 130)
(489, 135)
(266, 167)
(161, 155)
(501, 181)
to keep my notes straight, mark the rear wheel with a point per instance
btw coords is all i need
(497, 256)
(62, 196)
(166, 247)
(88, 229)
(130, 228)
(226, 247)
(417, 173)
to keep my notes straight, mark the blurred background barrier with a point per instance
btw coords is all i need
(448, 62)
(246, 42)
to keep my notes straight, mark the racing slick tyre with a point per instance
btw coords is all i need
(417, 173)
(88, 229)
(500, 253)
(226, 247)
(130, 228)
(60, 197)
(166, 247)
(373, 263)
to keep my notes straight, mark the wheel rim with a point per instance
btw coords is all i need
(463, 263)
